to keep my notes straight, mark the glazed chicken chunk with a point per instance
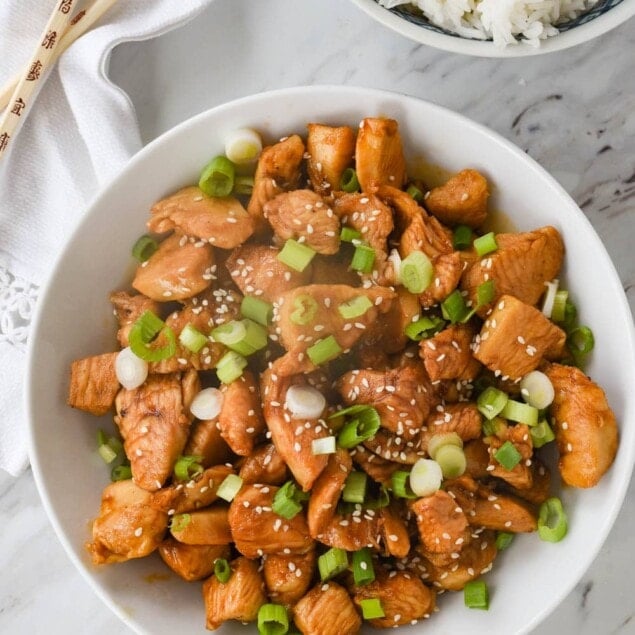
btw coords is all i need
(330, 152)
(288, 578)
(327, 609)
(128, 309)
(191, 562)
(209, 526)
(93, 384)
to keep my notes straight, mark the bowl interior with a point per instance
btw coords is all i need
(75, 320)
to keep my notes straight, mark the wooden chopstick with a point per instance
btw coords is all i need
(58, 35)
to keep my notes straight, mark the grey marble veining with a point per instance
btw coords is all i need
(574, 112)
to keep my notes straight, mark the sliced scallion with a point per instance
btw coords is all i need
(363, 570)
(424, 328)
(230, 486)
(332, 563)
(508, 456)
(147, 329)
(273, 620)
(491, 402)
(326, 445)
(363, 259)
(476, 595)
(287, 501)
(244, 185)
(425, 477)
(537, 390)
(485, 293)
(305, 309)
(400, 484)
(230, 367)
(349, 182)
(503, 540)
(520, 412)
(363, 425)
(242, 336)
(416, 272)
(485, 244)
(180, 522)
(121, 472)
(559, 305)
(453, 308)
(187, 467)
(461, 237)
(415, 192)
(222, 570)
(355, 307)
(541, 434)
(296, 255)
(355, 487)
(372, 608)
(580, 340)
(192, 338)
(257, 310)
(217, 177)
(552, 520)
(107, 453)
(452, 461)
(437, 441)
(348, 235)
(324, 350)
(144, 248)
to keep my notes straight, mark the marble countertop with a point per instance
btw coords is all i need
(574, 112)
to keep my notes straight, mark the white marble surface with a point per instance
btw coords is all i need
(574, 112)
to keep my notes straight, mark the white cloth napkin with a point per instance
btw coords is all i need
(79, 134)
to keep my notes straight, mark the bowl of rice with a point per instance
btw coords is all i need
(500, 28)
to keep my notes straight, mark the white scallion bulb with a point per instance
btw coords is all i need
(305, 402)
(537, 390)
(131, 370)
(207, 404)
(425, 477)
(243, 146)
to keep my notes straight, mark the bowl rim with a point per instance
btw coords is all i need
(572, 37)
(30, 392)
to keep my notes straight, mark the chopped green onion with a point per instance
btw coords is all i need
(485, 293)
(186, 467)
(581, 340)
(217, 177)
(491, 402)
(363, 259)
(437, 441)
(537, 390)
(243, 145)
(230, 486)
(363, 427)
(144, 248)
(415, 193)
(453, 308)
(425, 477)
(541, 434)
(550, 297)
(363, 570)
(326, 445)
(503, 540)
(521, 412)
(324, 351)
(349, 182)
(180, 522)
(121, 473)
(146, 330)
(107, 453)
(348, 235)
(372, 608)
(485, 244)
(552, 521)
(305, 309)
(570, 315)
(452, 461)
(476, 595)
(332, 563)
(559, 306)
(416, 272)
(382, 500)
(355, 487)
(494, 427)
(399, 481)
(462, 237)
(244, 185)
(424, 328)
(109, 448)
(222, 570)
(242, 336)
(192, 338)
(296, 255)
(102, 437)
(508, 456)
(257, 310)
(354, 307)
(287, 501)
(273, 620)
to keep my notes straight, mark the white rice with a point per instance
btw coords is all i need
(503, 21)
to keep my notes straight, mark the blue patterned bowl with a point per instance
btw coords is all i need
(606, 15)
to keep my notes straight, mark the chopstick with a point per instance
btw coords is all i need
(59, 34)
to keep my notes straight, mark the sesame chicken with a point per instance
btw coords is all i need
(304, 216)
(154, 422)
(515, 338)
(503, 512)
(331, 151)
(93, 384)
(209, 526)
(128, 309)
(177, 270)
(404, 449)
(222, 222)
(239, 598)
(584, 425)
(521, 476)
(462, 418)
(264, 465)
(394, 532)
(327, 609)
(205, 440)
(462, 200)
(191, 562)
(377, 467)
(288, 578)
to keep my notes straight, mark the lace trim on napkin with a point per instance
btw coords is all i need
(17, 302)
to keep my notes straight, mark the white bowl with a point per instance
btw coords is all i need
(604, 17)
(75, 319)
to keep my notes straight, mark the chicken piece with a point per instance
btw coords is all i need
(540, 489)
(462, 418)
(474, 560)
(198, 493)
(257, 271)
(521, 476)
(462, 200)
(93, 384)
(442, 524)
(447, 391)
(399, 395)
(278, 170)
(265, 466)
(177, 270)
(378, 468)
(333, 270)
(327, 609)
(477, 458)
(379, 157)
(404, 598)
(515, 338)
(240, 420)
(239, 598)
(448, 354)
(447, 275)
(394, 532)
(205, 440)
(191, 562)
(257, 530)
(221, 221)
(128, 526)
(400, 449)
(202, 527)
(304, 216)
(288, 578)
(154, 422)
(584, 425)
(292, 438)
(128, 309)
(520, 266)
(503, 513)
(330, 151)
